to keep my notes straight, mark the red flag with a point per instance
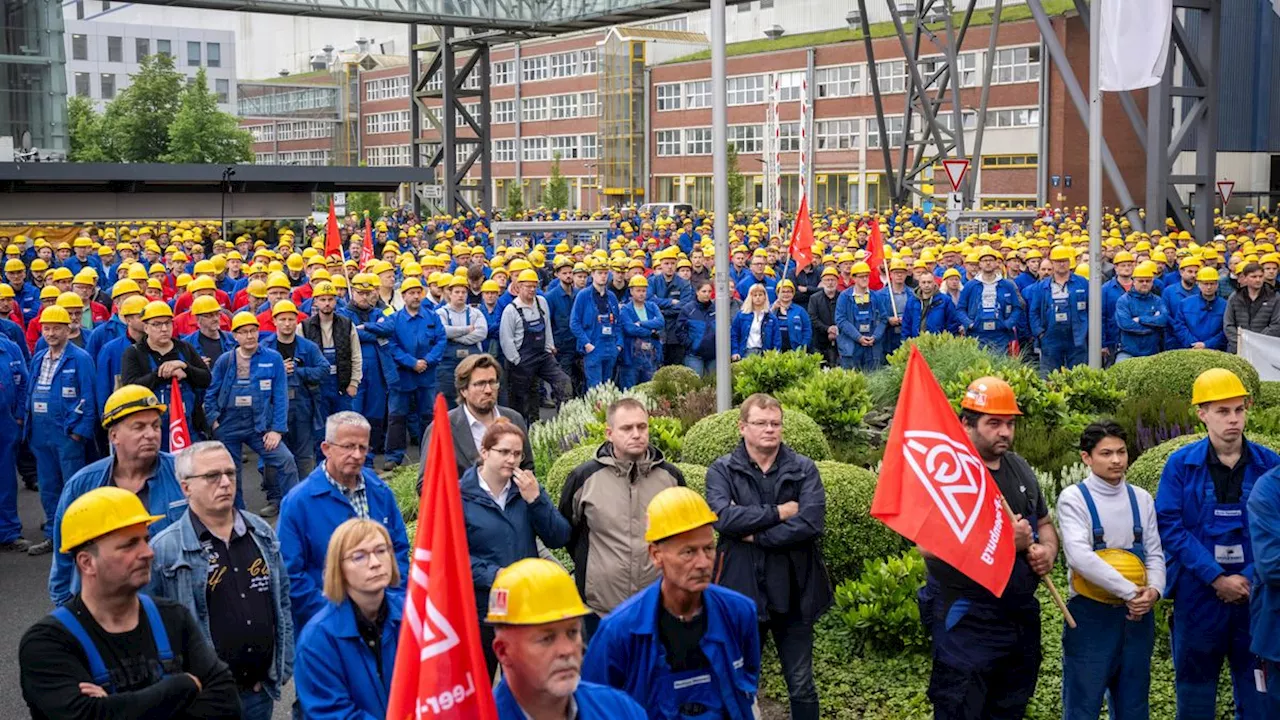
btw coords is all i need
(875, 254)
(179, 433)
(802, 238)
(366, 252)
(332, 235)
(934, 488)
(440, 666)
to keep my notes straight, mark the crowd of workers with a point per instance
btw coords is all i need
(318, 364)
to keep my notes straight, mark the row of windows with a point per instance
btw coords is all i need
(545, 67)
(534, 149)
(1012, 65)
(299, 157)
(437, 82)
(388, 88)
(280, 102)
(208, 54)
(304, 130)
(547, 107)
(386, 155)
(107, 86)
(386, 122)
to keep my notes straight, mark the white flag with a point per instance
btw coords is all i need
(1134, 43)
(1262, 352)
(1275, 4)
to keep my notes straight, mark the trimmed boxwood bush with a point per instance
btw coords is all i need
(836, 399)
(695, 476)
(717, 435)
(772, 372)
(1269, 395)
(1145, 471)
(671, 382)
(559, 472)
(853, 536)
(1174, 372)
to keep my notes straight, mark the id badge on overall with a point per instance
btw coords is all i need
(1060, 317)
(989, 325)
(244, 401)
(460, 353)
(646, 346)
(864, 328)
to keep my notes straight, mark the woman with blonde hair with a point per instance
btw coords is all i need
(346, 654)
(755, 328)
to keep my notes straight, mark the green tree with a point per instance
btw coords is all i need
(737, 183)
(364, 202)
(85, 126)
(556, 194)
(135, 126)
(200, 133)
(515, 200)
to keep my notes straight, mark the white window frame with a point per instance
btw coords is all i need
(789, 136)
(588, 104)
(533, 69)
(504, 112)
(669, 143)
(534, 149)
(533, 109)
(789, 83)
(562, 65)
(697, 94)
(669, 96)
(566, 145)
(589, 62)
(1004, 118)
(748, 139)
(894, 125)
(588, 147)
(837, 134)
(1014, 65)
(697, 141)
(892, 76)
(501, 72)
(564, 107)
(504, 150)
(746, 90)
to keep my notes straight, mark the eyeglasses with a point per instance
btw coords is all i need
(482, 384)
(212, 478)
(361, 557)
(500, 452)
(763, 424)
(351, 448)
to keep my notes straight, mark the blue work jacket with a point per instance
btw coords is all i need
(796, 327)
(28, 299)
(164, 498)
(1004, 318)
(671, 296)
(103, 334)
(1112, 291)
(591, 327)
(415, 338)
(636, 331)
(856, 320)
(310, 368)
(740, 332)
(14, 386)
(1044, 313)
(1264, 600)
(1142, 320)
(108, 362)
(180, 572)
(1183, 513)
(12, 332)
(308, 516)
(375, 343)
(627, 652)
(560, 302)
(1173, 295)
(268, 387)
(1200, 320)
(698, 323)
(594, 702)
(336, 674)
(747, 280)
(941, 316)
(69, 403)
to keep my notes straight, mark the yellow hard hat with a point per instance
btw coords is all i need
(295, 262)
(1217, 384)
(6, 291)
(156, 309)
(71, 301)
(1122, 256)
(133, 305)
(1146, 269)
(124, 287)
(284, 306)
(242, 319)
(527, 276)
(490, 286)
(85, 277)
(1125, 562)
(674, 511)
(204, 282)
(14, 265)
(860, 268)
(128, 400)
(1061, 252)
(324, 289)
(639, 281)
(55, 315)
(412, 283)
(256, 288)
(99, 512)
(1207, 275)
(204, 305)
(533, 591)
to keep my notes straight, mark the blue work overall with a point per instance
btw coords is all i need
(169, 665)
(236, 427)
(1107, 655)
(454, 353)
(696, 694)
(864, 357)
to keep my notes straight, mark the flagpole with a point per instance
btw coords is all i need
(884, 261)
(1048, 581)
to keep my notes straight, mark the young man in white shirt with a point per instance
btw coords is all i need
(1116, 571)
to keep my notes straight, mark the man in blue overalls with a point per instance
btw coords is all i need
(1059, 314)
(642, 328)
(682, 647)
(465, 328)
(1204, 528)
(378, 369)
(62, 411)
(336, 336)
(248, 404)
(560, 299)
(15, 383)
(860, 323)
(992, 304)
(672, 293)
(417, 344)
(306, 367)
(596, 328)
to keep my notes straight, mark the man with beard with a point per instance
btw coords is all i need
(822, 313)
(682, 647)
(538, 640)
(986, 649)
(97, 656)
(132, 420)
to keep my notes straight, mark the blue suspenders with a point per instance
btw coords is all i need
(96, 666)
(1098, 543)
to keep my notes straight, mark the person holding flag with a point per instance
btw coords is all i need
(899, 306)
(537, 617)
(985, 554)
(159, 357)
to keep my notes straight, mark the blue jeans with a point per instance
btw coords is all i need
(1106, 656)
(696, 364)
(256, 705)
(598, 367)
(58, 457)
(793, 639)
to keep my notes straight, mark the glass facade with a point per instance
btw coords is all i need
(33, 82)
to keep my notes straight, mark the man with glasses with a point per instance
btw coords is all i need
(340, 488)
(224, 565)
(158, 358)
(477, 382)
(772, 510)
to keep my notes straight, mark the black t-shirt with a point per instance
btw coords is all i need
(209, 347)
(242, 614)
(681, 639)
(285, 349)
(1017, 482)
(1228, 482)
(53, 664)
(371, 630)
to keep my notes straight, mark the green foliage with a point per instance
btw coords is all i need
(1035, 398)
(1172, 373)
(880, 607)
(1269, 394)
(666, 433)
(515, 200)
(404, 485)
(569, 428)
(200, 133)
(555, 195)
(948, 357)
(1087, 390)
(673, 382)
(852, 536)
(554, 479)
(1050, 449)
(84, 126)
(836, 399)
(884, 385)
(695, 406)
(695, 476)
(364, 203)
(772, 372)
(736, 181)
(1145, 471)
(717, 435)
(1151, 420)
(1264, 420)
(135, 126)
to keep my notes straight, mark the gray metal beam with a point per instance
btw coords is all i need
(971, 188)
(415, 114)
(873, 77)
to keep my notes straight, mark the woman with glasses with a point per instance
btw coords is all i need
(346, 654)
(507, 512)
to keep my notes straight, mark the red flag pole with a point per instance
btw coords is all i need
(1048, 581)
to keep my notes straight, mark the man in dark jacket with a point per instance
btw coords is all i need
(1253, 307)
(772, 510)
(822, 313)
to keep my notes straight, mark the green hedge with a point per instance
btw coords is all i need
(559, 472)
(404, 484)
(1174, 372)
(1269, 395)
(836, 399)
(1145, 471)
(852, 535)
(717, 435)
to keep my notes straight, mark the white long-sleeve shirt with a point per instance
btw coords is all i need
(1075, 529)
(456, 321)
(511, 329)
